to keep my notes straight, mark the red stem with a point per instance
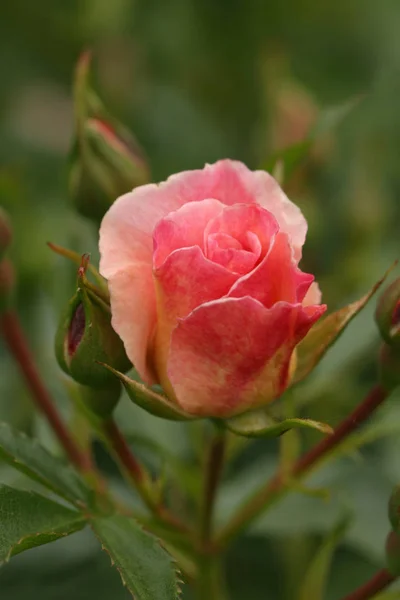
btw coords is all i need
(18, 346)
(268, 494)
(380, 581)
(375, 397)
(122, 450)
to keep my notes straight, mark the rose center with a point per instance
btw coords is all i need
(239, 256)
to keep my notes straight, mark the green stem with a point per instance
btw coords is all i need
(210, 583)
(271, 492)
(212, 474)
(379, 582)
(19, 348)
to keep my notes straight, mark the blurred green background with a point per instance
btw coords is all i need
(199, 80)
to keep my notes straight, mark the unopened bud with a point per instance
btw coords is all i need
(86, 338)
(5, 232)
(392, 548)
(7, 284)
(387, 314)
(389, 367)
(106, 161)
(394, 508)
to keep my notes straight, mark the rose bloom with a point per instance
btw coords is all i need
(206, 292)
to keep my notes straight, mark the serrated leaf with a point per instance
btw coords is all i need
(259, 423)
(149, 400)
(316, 576)
(29, 457)
(326, 331)
(29, 519)
(145, 568)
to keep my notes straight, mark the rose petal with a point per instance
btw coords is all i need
(183, 228)
(185, 280)
(233, 354)
(228, 252)
(276, 278)
(241, 220)
(132, 291)
(313, 295)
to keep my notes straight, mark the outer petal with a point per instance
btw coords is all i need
(277, 278)
(133, 302)
(313, 295)
(184, 281)
(233, 354)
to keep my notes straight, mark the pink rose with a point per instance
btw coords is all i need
(205, 289)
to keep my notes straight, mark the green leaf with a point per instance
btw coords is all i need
(149, 400)
(395, 595)
(29, 519)
(145, 568)
(292, 156)
(325, 332)
(314, 582)
(29, 457)
(259, 423)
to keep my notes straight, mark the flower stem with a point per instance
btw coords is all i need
(271, 492)
(380, 581)
(19, 348)
(212, 474)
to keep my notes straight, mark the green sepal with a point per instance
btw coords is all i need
(259, 423)
(76, 258)
(101, 401)
(389, 367)
(85, 338)
(387, 314)
(392, 549)
(326, 331)
(149, 400)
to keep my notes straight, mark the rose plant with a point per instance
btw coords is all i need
(199, 295)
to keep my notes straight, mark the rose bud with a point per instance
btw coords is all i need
(387, 314)
(389, 367)
(205, 287)
(394, 508)
(106, 161)
(392, 548)
(7, 284)
(5, 232)
(85, 338)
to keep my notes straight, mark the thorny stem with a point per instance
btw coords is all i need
(18, 346)
(269, 493)
(380, 581)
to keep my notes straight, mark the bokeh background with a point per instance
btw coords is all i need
(198, 80)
